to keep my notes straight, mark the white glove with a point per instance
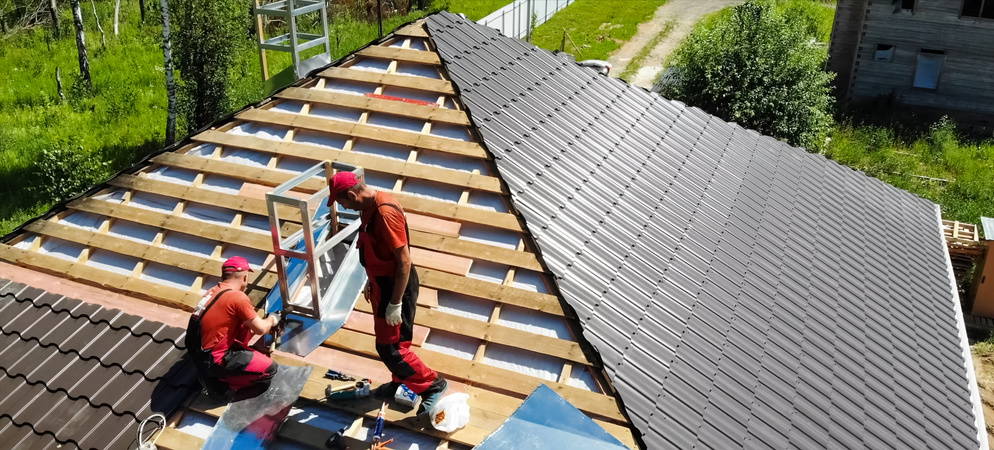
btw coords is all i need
(393, 314)
(276, 316)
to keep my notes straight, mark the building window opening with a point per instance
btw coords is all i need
(983, 9)
(928, 68)
(885, 53)
(908, 4)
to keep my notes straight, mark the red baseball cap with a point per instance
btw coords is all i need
(341, 182)
(236, 264)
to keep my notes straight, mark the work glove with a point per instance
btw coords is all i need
(277, 316)
(393, 314)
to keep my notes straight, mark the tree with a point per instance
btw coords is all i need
(210, 34)
(167, 52)
(84, 62)
(53, 9)
(755, 68)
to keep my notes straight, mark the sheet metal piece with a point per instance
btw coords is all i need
(546, 420)
(304, 334)
(253, 423)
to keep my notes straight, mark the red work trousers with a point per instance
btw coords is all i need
(393, 343)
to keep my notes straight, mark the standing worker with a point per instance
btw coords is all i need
(384, 252)
(225, 322)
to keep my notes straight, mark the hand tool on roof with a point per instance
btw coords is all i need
(336, 375)
(378, 429)
(359, 389)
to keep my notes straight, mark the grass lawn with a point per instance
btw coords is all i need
(124, 117)
(597, 27)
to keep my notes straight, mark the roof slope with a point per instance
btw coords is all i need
(741, 292)
(79, 375)
(486, 319)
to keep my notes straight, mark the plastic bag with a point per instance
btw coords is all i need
(451, 413)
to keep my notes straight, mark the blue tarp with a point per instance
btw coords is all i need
(546, 420)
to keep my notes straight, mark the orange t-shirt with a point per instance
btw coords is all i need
(225, 321)
(389, 230)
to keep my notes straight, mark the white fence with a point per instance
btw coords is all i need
(515, 19)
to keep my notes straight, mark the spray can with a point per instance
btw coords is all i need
(378, 431)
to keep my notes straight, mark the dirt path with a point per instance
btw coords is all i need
(684, 13)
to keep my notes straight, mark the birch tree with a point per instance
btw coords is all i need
(53, 9)
(84, 62)
(167, 53)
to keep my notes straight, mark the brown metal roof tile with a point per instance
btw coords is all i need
(23, 437)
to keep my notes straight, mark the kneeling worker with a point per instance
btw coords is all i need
(226, 325)
(393, 286)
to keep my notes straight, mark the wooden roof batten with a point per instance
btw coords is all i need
(495, 391)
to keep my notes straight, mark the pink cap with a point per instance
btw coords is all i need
(236, 264)
(341, 182)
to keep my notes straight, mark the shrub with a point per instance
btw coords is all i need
(758, 69)
(65, 169)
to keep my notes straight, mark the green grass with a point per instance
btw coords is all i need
(597, 27)
(473, 9)
(636, 63)
(919, 163)
(124, 117)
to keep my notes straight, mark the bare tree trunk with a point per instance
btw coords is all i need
(167, 53)
(117, 14)
(84, 62)
(141, 7)
(58, 82)
(56, 24)
(103, 38)
(3, 26)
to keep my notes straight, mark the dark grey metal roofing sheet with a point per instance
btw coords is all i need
(78, 375)
(742, 292)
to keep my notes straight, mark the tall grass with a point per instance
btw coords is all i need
(953, 171)
(597, 27)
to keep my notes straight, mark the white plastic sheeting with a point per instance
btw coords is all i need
(372, 65)
(523, 361)
(186, 243)
(530, 280)
(465, 306)
(261, 130)
(488, 271)
(533, 321)
(320, 139)
(223, 184)
(418, 70)
(381, 149)
(450, 131)
(26, 243)
(582, 379)
(433, 190)
(155, 202)
(451, 344)
(245, 157)
(349, 87)
(60, 248)
(133, 231)
(173, 175)
(336, 112)
(398, 123)
(489, 235)
(168, 275)
(487, 201)
(112, 262)
(450, 161)
(202, 150)
(84, 220)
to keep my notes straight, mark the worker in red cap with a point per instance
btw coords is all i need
(393, 286)
(225, 321)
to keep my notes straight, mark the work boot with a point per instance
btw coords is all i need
(431, 396)
(386, 391)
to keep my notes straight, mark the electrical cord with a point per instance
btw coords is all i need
(142, 445)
